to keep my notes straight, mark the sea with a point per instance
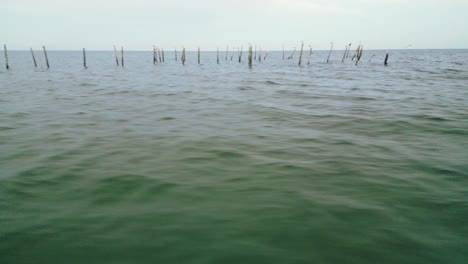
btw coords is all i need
(225, 163)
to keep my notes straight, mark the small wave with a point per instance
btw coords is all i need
(272, 83)
(450, 70)
(362, 98)
(88, 84)
(227, 154)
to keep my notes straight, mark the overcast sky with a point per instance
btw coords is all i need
(140, 24)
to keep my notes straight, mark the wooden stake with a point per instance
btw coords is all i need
(6, 57)
(266, 55)
(122, 58)
(283, 52)
(349, 48)
(175, 54)
(154, 56)
(250, 55)
(255, 55)
(386, 59)
(116, 56)
(84, 59)
(183, 56)
(344, 55)
(217, 55)
(198, 55)
(227, 50)
(34, 58)
(240, 54)
(46, 58)
(162, 51)
(356, 53)
(300, 54)
(159, 55)
(329, 54)
(292, 54)
(359, 55)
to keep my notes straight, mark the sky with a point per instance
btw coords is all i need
(208, 24)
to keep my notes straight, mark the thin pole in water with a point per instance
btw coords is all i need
(359, 55)
(329, 54)
(300, 54)
(356, 53)
(183, 56)
(116, 56)
(162, 51)
(349, 49)
(175, 54)
(198, 55)
(154, 56)
(46, 58)
(283, 52)
(227, 51)
(292, 54)
(6, 57)
(217, 55)
(386, 59)
(122, 58)
(255, 55)
(240, 54)
(250, 55)
(84, 58)
(344, 55)
(34, 58)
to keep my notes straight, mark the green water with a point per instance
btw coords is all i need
(330, 163)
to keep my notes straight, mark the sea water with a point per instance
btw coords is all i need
(222, 163)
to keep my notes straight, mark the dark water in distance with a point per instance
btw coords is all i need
(327, 163)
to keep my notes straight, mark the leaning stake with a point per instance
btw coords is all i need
(344, 55)
(386, 59)
(240, 54)
(46, 58)
(300, 54)
(329, 54)
(6, 57)
(116, 56)
(359, 55)
(34, 58)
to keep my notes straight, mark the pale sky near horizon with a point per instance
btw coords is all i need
(140, 24)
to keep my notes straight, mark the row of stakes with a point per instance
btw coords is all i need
(159, 55)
